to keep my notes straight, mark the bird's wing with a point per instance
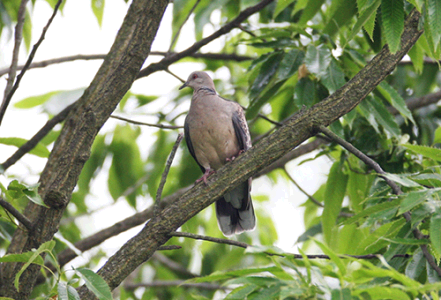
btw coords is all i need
(190, 144)
(241, 128)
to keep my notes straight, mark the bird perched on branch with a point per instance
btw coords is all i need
(216, 132)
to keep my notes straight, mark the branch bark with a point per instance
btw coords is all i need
(296, 130)
(72, 148)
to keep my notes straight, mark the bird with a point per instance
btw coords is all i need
(216, 132)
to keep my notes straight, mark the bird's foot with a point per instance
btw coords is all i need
(204, 177)
(228, 159)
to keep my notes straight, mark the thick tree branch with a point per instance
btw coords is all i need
(8, 97)
(395, 188)
(18, 215)
(71, 150)
(18, 37)
(296, 130)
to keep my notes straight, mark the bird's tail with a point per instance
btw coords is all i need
(235, 212)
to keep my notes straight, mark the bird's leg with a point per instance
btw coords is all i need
(204, 177)
(234, 157)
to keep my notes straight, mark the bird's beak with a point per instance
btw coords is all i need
(183, 86)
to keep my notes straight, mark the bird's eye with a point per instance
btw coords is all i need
(195, 76)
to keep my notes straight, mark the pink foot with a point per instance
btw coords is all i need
(234, 157)
(204, 177)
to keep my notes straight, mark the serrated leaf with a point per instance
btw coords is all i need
(416, 266)
(432, 153)
(67, 292)
(371, 210)
(334, 78)
(333, 256)
(334, 194)
(392, 15)
(416, 55)
(310, 10)
(434, 18)
(382, 115)
(95, 283)
(45, 247)
(242, 292)
(437, 138)
(318, 59)
(35, 100)
(217, 276)
(435, 231)
(365, 15)
(412, 199)
(266, 72)
(395, 100)
(290, 64)
(382, 292)
(401, 179)
(280, 6)
(98, 10)
(39, 150)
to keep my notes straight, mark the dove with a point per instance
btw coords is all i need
(216, 132)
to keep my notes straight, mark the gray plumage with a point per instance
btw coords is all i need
(216, 131)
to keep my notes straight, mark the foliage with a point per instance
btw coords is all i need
(302, 51)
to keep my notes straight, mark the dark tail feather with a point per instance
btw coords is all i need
(234, 220)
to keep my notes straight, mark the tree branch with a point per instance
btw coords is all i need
(162, 126)
(45, 63)
(296, 256)
(168, 60)
(7, 98)
(175, 38)
(18, 215)
(17, 42)
(166, 170)
(296, 130)
(72, 148)
(395, 188)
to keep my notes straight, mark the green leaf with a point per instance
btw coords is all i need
(267, 70)
(432, 153)
(437, 138)
(35, 100)
(376, 108)
(18, 190)
(39, 150)
(95, 283)
(434, 18)
(333, 78)
(281, 5)
(435, 231)
(364, 16)
(67, 292)
(334, 194)
(218, 276)
(401, 179)
(416, 266)
(242, 292)
(343, 294)
(416, 55)
(98, 9)
(333, 256)
(406, 241)
(371, 210)
(318, 59)
(310, 10)
(392, 15)
(382, 292)
(290, 64)
(45, 247)
(23, 258)
(395, 100)
(412, 199)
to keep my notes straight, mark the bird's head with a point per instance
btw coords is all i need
(197, 80)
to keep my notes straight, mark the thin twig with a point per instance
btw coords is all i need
(262, 116)
(29, 145)
(166, 170)
(45, 63)
(175, 283)
(18, 215)
(170, 247)
(15, 52)
(173, 265)
(310, 197)
(296, 256)
(162, 126)
(8, 98)
(175, 38)
(395, 188)
(174, 75)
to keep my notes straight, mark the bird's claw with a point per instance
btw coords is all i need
(204, 177)
(228, 159)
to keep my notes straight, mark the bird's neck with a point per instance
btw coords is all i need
(205, 91)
